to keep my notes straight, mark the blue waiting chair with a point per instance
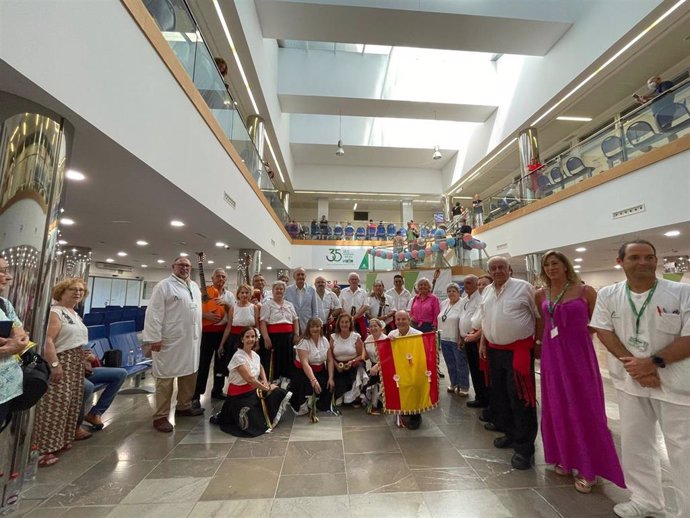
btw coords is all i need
(360, 233)
(391, 230)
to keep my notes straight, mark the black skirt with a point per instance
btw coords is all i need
(283, 355)
(243, 415)
(301, 389)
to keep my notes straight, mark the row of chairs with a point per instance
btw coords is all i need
(121, 336)
(360, 233)
(106, 318)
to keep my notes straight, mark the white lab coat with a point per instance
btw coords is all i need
(173, 317)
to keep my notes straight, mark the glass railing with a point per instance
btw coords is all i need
(180, 30)
(357, 231)
(651, 126)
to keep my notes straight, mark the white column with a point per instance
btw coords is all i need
(406, 211)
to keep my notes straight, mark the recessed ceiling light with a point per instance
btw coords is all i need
(269, 267)
(122, 254)
(109, 260)
(183, 254)
(71, 174)
(160, 261)
(177, 223)
(578, 259)
(141, 242)
(144, 265)
(573, 119)
(62, 242)
(67, 221)
(227, 266)
(581, 249)
(618, 267)
(211, 262)
(220, 244)
(672, 233)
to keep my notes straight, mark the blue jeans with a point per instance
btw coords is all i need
(456, 361)
(113, 377)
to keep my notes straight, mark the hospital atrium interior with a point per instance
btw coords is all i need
(309, 140)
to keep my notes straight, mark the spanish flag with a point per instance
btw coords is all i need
(408, 373)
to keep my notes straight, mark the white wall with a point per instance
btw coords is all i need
(663, 187)
(345, 215)
(110, 75)
(598, 280)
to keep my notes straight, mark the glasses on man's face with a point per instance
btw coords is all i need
(180, 265)
(4, 270)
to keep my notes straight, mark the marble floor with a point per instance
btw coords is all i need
(354, 465)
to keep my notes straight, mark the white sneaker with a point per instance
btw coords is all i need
(632, 510)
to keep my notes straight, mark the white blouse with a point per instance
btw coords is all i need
(243, 316)
(274, 313)
(318, 353)
(253, 363)
(345, 348)
(378, 310)
(73, 332)
(449, 325)
(370, 346)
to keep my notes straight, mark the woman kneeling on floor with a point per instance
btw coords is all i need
(254, 406)
(347, 371)
(372, 390)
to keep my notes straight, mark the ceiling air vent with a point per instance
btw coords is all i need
(113, 267)
(629, 211)
(229, 200)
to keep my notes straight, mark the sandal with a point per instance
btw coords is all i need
(560, 470)
(451, 388)
(582, 485)
(81, 434)
(462, 392)
(47, 460)
(66, 447)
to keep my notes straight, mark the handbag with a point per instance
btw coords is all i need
(112, 358)
(36, 380)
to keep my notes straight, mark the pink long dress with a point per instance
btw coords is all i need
(573, 425)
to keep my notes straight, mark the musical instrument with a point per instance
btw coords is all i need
(209, 294)
(200, 258)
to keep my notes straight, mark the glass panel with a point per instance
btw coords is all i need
(100, 297)
(133, 290)
(87, 302)
(118, 292)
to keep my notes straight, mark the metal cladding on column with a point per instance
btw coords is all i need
(445, 206)
(74, 261)
(533, 263)
(249, 265)
(33, 153)
(528, 148)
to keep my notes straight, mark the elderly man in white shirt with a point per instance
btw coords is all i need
(403, 328)
(469, 339)
(353, 301)
(508, 316)
(644, 322)
(327, 304)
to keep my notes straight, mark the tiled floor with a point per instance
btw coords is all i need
(355, 465)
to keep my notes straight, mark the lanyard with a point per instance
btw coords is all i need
(552, 306)
(639, 314)
(186, 285)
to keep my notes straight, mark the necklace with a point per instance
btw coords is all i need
(445, 313)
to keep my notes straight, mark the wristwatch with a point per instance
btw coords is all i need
(55, 365)
(658, 361)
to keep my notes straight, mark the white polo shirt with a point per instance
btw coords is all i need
(666, 318)
(400, 300)
(411, 332)
(326, 304)
(375, 305)
(470, 306)
(349, 300)
(510, 314)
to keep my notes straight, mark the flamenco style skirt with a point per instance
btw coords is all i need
(248, 415)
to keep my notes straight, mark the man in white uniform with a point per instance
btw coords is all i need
(403, 328)
(401, 296)
(301, 296)
(644, 322)
(327, 304)
(172, 329)
(354, 300)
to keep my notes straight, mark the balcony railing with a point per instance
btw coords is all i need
(650, 126)
(181, 31)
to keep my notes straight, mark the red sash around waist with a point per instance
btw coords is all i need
(235, 330)
(280, 328)
(314, 368)
(238, 390)
(522, 367)
(213, 328)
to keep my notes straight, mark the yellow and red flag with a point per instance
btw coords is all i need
(408, 373)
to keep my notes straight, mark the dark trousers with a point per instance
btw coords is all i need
(509, 413)
(481, 391)
(210, 341)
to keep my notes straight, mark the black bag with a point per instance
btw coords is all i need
(112, 358)
(36, 381)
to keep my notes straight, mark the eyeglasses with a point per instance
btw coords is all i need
(76, 289)
(4, 270)
(180, 265)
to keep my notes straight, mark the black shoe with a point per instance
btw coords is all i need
(504, 442)
(521, 462)
(214, 418)
(191, 412)
(196, 404)
(484, 418)
(414, 421)
(476, 404)
(218, 395)
(491, 427)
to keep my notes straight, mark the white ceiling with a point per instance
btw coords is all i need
(370, 156)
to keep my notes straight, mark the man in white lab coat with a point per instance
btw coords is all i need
(172, 329)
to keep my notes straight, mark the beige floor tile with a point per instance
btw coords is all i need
(378, 473)
(430, 452)
(309, 457)
(232, 508)
(238, 479)
(389, 505)
(311, 507)
(169, 490)
(312, 485)
(369, 440)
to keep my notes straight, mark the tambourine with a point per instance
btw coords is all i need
(343, 366)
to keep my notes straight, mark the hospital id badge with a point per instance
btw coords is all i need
(554, 332)
(636, 343)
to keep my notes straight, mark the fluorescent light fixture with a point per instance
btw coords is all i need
(71, 174)
(618, 267)
(581, 249)
(109, 260)
(67, 221)
(577, 266)
(275, 160)
(160, 261)
(184, 254)
(235, 55)
(355, 207)
(227, 266)
(144, 265)
(220, 244)
(62, 242)
(397, 194)
(578, 259)
(269, 267)
(210, 262)
(122, 254)
(611, 59)
(573, 119)
(176, 223)
(672, 233)
(141, 242)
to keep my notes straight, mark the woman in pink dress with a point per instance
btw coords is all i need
(573, 425)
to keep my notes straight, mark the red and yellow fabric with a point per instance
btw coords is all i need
(408, 373)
